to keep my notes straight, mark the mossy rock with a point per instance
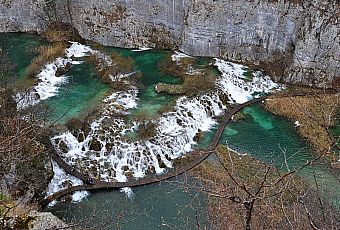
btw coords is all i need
(74, 124)
(162, 165)
(239, 116)
(125, 168)
(151, 169)
(108, 147)
(95, 145)
(170, 89)
(67, 184)
(63, 146)
(335, 165)
(129, 174)
(224, 98)
(198, 137)
(62, 70)
(81, 137)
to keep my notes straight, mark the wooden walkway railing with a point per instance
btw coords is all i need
(198, 157)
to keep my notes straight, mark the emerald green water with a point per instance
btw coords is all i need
(153, 207)
(79, 96)
(85, 89)
(270, 138)
(82, 92)
(335, 131)
(156, 206)
(147, 63)
(261, 135)
(274, 140)
(18, 48)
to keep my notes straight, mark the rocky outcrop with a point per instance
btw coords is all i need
(46, 220)
(169, 88)
(295, 41)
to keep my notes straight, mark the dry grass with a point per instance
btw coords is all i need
(271, 209)
(178, 69)
(46, 54)
(278, 204)
(61, 32)
(197, 84)
(193, 84)
(121, 65)
(314, 113)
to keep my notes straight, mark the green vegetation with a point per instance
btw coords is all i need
(238, 116)
(248, 74)
(3, 197)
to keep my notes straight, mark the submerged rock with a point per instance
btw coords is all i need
(238, 116)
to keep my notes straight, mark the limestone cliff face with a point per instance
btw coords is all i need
(296, 41)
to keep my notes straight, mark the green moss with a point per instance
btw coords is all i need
(238, 116)
(3, 197)
(248, 74)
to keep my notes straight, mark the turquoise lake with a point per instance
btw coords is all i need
(261, 134)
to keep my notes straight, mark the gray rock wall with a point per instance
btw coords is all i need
(21, 15)
(131, 23)
(296, 41)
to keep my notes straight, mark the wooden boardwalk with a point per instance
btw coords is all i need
(197, 155)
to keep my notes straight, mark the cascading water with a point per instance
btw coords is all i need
(104, 153)
(237, 86)
(48, 81)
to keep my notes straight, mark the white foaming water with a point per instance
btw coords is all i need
(121, 101)
(235, 84)
(48, 81)
(63, 180)
(141, 49)
(178, 56)
(123, 158)
(77, 50)
(121, 76)
(106, 154)
(128, 191)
